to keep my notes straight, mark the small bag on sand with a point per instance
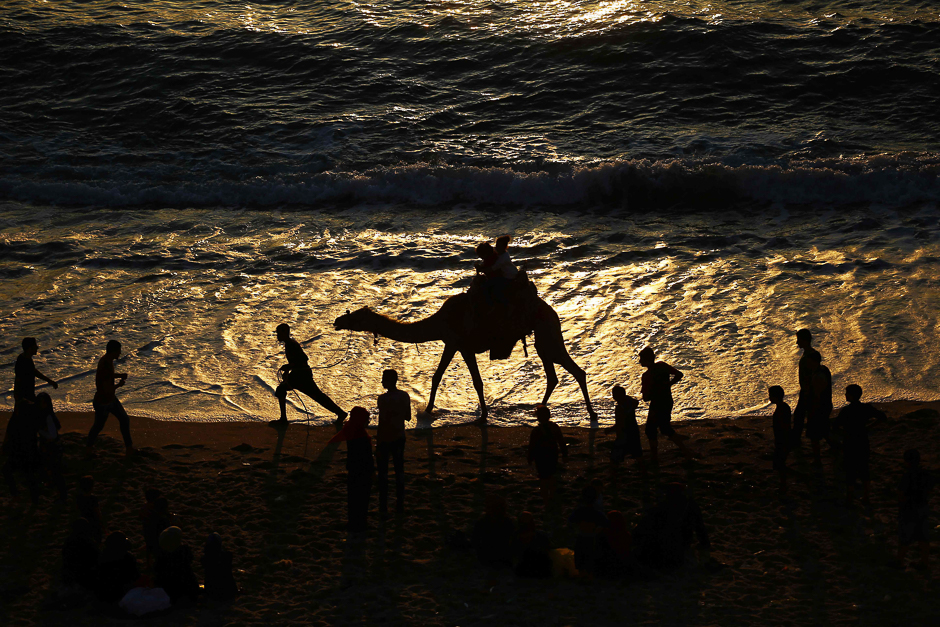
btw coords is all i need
(563, 563)
(141, 601)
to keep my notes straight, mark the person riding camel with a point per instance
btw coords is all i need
(497, 266)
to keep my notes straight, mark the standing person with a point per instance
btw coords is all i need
(854, 419)
(360, 467)
(298, 376)
(25, 373)
(394, 413)
(106, 401)
(627, 430)
(783, 431)
(545, 442)
(914, 509)
(656, 386)
(817, 419)
(804, 340)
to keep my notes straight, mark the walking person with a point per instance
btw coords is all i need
(298, 376)
(106, 401)
(394, 414)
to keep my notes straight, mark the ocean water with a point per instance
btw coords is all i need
(702, 177)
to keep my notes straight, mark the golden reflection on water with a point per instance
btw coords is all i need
(554, 20)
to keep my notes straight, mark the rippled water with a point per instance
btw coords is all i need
(702, 176)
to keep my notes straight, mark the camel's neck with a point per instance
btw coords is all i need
(424, 330)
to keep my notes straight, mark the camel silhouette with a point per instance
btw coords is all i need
(456, 326)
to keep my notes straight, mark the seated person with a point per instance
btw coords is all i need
(665, 533)
(589, 520)
(117, 569)
(493, 535)
(80, 555)
(532, 548)
(217, 566)
(157, 517)
(613, 554)
(173, 568)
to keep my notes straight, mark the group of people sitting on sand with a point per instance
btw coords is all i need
(110, 571)
(604, 545)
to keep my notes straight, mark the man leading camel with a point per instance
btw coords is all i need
(298, 376)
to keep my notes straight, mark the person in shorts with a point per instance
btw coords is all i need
(298, 376)
(656, 386)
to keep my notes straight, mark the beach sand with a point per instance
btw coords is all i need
(803, 558)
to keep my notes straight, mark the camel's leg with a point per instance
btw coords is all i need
(581, 377)
(471, 359)
(446, 358)
(551, 379)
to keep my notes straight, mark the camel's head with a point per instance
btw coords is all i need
(354, 320)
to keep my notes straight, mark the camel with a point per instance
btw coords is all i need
(453, 325)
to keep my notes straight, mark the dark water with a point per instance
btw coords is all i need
(645, 103)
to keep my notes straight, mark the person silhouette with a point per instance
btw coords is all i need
(106, 401)
(656, 387)
(804, 340)
(545, 443)
(394, 413)
(360, 468)
(817, 419)
(782, 433)
(25, 373)
(298, 376)
(855, 419)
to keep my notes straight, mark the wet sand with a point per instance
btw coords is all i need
(280, 505)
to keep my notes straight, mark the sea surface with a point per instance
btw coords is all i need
(700, 177)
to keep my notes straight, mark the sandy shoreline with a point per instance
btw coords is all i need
(804, 558)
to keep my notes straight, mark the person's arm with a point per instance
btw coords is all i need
(879, 417)
(675, 374)
(839, 421)
(39, 375)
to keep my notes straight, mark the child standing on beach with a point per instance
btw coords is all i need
(657, 385)
(545, 443)
(782, 433)
(627, 430)
(360, 468)
(855, 421)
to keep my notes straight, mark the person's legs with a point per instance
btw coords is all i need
(799, 414)
(310, 388)
(101, 416)
(124, 421)
(281, 394)
(398, 459)
(815, 444)
(381, 462)
(651, 435)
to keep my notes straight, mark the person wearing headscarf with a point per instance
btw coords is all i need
(532, 548)
(614, 546)
(173, 568)
(217, 566)
(360, 468)
(117, 569)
